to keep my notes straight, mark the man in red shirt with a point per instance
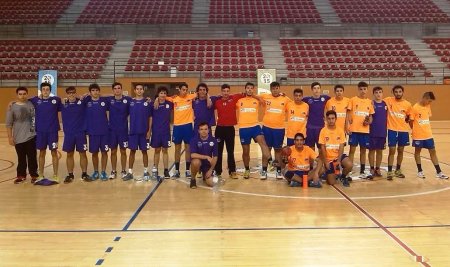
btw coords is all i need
(225, 132)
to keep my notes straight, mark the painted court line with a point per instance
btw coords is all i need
(418, 258)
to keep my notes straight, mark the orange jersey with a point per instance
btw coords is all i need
(301, 160)
(331, 139)
(340, 106)
(397, 112)
(297, 118)
(360, 109)
(182, 109)
(421, 122)
(275, 111)
(248, 110)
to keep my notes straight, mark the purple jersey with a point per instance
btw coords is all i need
(96, 115)
(202, 113)
(73, 118)
(46, 113)
(161, 118)
(118, 114)
(378, 127)
(140, 112)
(316, 111)
(206, 147)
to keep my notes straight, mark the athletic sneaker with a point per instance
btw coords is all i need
(188, 174)
(398, 173)
(441, 175)
(278, 175)
(123, 173)
(362, 176)
(128, 176)
(166, 174)
(313, 184)
(246, 174)
(369, 176)
(390, 176)
(69, 178)
(233, 175)
(104, 176)
(199, 175)
(193, 184)
(85, 177)
(55, 178)
(294, 184)
(345, 182)
(421, 175)
(378, 173)
(263, 175)
(95, 176)
(176, 175)
(113, 175)
(34, 179)
(146, 176)
(20, 179)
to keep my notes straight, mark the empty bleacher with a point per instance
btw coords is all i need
(269, 11)
(137, 11)
(441, 48)
(388, 11)
(236, 58)
(74, 59)
(32, 11)
(350, 58)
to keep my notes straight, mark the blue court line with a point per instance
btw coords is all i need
(109, 249)
(99, 262)
(228, 229)
(149, 196)
(117, 238)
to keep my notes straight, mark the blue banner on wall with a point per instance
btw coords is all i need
(48, 76)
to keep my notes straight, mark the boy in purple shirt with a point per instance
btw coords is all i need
(161, 130)
(97, 128)
(315, 121)
(47, 127)
(74, 127)
(377, 132)
(140, 123)
(203, 107)
(203, 155)
(118, 128)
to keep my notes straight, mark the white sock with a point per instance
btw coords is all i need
(130, 171)
(145, 169)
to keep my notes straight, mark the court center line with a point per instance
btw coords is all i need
(418, 258)
(146, 200)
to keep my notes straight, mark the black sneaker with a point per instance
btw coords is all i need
(193, 184)
(69, 178)
(166, 174)
(85, 177)
(345, 182)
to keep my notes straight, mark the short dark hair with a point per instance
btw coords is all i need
(397, 87)
(274, 84)
(21, 88)
(249, 83)
(137, 84)
(202, 85)
(362, 84)
(70, 88)
(94, 86)
(376, 88)
(299, 134)
(45, 84)
(203, 124)
(298, 90)
(429, 95)
(337, 86)
(162, 89)
(183, 84)
(224, 86)
(314, 84)
(116, 83)
(331, 112)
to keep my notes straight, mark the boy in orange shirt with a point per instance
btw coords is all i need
(359, 117)
(339, 103)
(422, 136)
(297, 112)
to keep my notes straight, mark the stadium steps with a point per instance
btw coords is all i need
(117, 60)
(72, 13)
(444, 5)
(427, 57)
(273, 57)
(200, 13)
(327, 12)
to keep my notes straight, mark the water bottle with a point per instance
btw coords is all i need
(155, 173)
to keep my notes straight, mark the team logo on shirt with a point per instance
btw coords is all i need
(145, 104)
(89, 104)
(199, 144)
(167, 106)
(53, 101)
(211, 143)
(338, 138)
(327, 138)
(102, 104)
(322, 99)
(125, 101)
(79, 102)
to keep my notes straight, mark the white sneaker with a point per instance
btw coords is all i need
(421, 175)
(263, 175)
(113, 175)
(441, 175)
(362, 176)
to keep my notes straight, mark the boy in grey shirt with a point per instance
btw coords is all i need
(21, 134)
